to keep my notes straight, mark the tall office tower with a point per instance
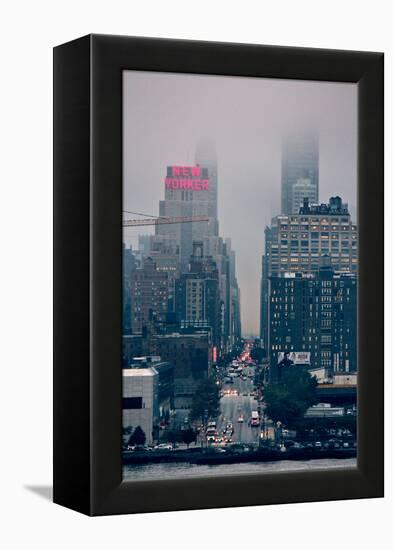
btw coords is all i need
(236, 323)
(297, 243)
(187, 193)
(129, 265)
(303, 188)
(234, 313)
(149, 296)
(167, 260)
(300, 159)
(270, 236)
(144, 243)
(197, 295)
(314, 315)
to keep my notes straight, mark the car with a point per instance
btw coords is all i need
(318, 445)
(163, 447)
(240, 419)
(346, 444)
(297, 445)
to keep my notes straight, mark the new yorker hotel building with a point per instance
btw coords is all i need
(297, 243)
(188, 192)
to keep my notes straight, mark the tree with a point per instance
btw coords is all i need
(287, 400)
(138, 437)
(188, 436)
(206, 398)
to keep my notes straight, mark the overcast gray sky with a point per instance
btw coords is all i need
(165, 115)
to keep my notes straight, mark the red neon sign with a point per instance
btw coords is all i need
(187, 177)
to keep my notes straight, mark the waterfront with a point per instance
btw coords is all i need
(184, 470)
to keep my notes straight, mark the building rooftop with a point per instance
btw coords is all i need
(183, 335)
(140, 372)
(335, 207)
(302, 275)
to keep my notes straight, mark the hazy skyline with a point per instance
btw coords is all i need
(165, 115)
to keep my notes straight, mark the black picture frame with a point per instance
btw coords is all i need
(87, 273)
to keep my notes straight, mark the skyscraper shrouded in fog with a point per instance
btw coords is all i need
(299, 170)
(192, 190)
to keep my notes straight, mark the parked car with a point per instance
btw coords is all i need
(164, 447)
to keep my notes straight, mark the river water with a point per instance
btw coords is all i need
(183, 470)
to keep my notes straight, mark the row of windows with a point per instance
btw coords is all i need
(283, 220)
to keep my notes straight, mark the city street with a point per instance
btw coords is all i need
(234, 407)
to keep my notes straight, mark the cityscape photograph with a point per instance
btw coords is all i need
(240, 256)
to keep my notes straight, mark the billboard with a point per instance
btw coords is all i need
(191, 178)
(297, 357)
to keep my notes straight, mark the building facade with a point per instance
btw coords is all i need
(187, 193)
(300, 162)
(315, 314)
(197, 294)
(149, 295)
(129, 266)
(303, 189)
(191, 357)
(140, 400)
(297, 243)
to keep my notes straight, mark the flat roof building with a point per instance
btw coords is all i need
(140, 400)
(315, 314)
(297, 243)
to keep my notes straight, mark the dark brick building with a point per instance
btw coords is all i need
(316, 313)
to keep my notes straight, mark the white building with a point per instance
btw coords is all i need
(140, 399)
(324, 410)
